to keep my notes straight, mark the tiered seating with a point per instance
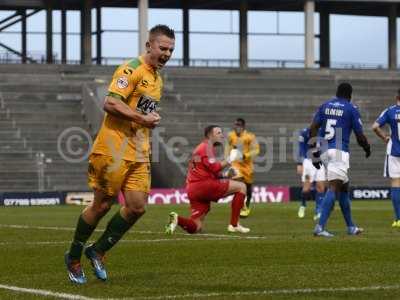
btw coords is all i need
(35, 110)
(40, 102)
(275, 103)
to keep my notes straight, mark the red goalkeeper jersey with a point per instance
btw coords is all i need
(203, 164)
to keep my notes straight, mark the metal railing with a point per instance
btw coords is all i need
(40, 57)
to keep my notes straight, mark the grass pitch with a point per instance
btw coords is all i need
(279, 259)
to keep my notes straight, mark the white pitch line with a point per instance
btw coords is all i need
(14, 226)
(137, 241)
(266, 293)
(45, 293)
(204, 295)
(35, 243)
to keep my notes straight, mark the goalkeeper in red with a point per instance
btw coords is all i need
(204, 184)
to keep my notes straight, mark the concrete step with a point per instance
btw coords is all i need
(33, 186)
(53, 78)
(269, 99)
(249, 83)
(201, 83)
(42, 144)
(26, 154)
(44, 128)
(42, 97)
(10, 154)
(34, 135)
(41, 87)
(53, 106)
(6, 134)
(244, 90)
(52, 168)
(32, 174)
(49, 116)
(208, 117)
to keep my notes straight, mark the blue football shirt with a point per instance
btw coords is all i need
(391, 116)
(304, 136)
(337, 117)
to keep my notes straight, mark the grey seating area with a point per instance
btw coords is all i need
(36, 107)
(38, 103)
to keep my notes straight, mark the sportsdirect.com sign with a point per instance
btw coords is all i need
(261, 194)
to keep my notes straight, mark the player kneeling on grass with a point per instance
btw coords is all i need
(205, 185)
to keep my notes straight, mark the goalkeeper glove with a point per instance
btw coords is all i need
(316, 158)
(367, 150)
(234, 155)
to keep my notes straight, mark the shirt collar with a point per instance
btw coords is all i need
(147, 66)
(342, 99)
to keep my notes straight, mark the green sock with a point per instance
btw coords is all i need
(82, 233)
(115, 229)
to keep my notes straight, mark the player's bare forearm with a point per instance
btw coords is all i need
(363, 143)
(380, 133)
(121, 110)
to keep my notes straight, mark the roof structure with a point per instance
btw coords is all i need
(25, 8)
(356, 7)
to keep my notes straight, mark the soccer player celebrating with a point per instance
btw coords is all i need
(204, 185)
(337, 118)
(391, 116)
(309, 175)
(120, 160)
(246, 143)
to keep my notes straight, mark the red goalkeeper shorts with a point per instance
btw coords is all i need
(202, 193)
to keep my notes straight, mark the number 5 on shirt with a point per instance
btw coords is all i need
(330, 129)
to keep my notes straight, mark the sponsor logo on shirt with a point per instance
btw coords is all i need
(146, 104)
(337, 104)
(122, 82)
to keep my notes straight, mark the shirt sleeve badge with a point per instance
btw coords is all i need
(122, 82)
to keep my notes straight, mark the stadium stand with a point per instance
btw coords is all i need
(276, 103)
(36, 106)
(37, 103)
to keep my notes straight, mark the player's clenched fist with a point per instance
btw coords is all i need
(151, 120)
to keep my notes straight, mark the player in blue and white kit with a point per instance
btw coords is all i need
(337, 118)
(391, 116)
(309, 175)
